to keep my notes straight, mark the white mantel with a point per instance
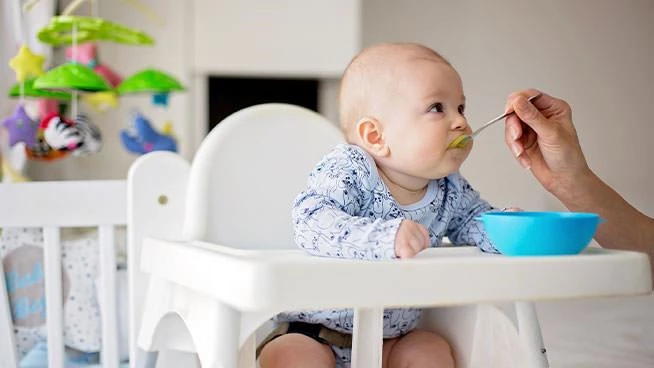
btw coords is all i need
(281, 37)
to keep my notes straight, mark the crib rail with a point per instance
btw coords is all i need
(53, 206)
(63, 203)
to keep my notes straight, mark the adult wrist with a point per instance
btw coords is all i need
(574, 188)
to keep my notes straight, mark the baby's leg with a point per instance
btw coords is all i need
(296, 350)
(418, 349)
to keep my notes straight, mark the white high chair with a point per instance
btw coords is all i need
(234, 263)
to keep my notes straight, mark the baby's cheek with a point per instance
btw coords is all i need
(429, 147)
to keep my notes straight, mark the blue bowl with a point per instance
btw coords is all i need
(540, 233)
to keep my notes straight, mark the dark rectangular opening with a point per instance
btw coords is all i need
(230, 94)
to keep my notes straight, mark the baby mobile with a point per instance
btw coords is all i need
(54, 135)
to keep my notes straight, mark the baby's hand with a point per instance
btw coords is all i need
(411, 238)
(512, 209)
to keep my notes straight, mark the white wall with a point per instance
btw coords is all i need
(597, 54)
(7, 50)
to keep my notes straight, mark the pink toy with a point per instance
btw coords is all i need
(87, 54)
(112, 77)
(47, 106)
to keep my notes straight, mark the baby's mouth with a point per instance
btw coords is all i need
(459, 142)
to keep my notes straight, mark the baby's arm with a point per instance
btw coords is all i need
(325, 226)
(328, 217)
(465, 229)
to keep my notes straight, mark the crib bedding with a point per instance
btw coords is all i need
(22, 257)
(37, 357)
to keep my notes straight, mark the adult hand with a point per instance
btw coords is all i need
(411, 238)
(542, 137)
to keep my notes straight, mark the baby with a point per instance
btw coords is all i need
(393, 191)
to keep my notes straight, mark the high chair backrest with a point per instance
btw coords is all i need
(249, 169)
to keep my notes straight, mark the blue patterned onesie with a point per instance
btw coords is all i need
(346, 211)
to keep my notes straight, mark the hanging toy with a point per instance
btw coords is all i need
(58, 137)
(20, 127)
(60, 133)
(41, 151)
(60, 31)
(11, 175)
(79, 136)
(101, 101)
(91, 136)
(47, 106)
(13, 160)
(156, 82)
(86, 54)
(26, 64)
(146, 139)
(47, 101)
(159, 84)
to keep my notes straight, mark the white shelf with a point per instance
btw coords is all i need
(272, 38)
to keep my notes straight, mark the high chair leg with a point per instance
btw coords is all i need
(367, 337)
(157, 304)
(185, 320)
(246, 356)
(145, 359)
(530, 334)
(214, 328)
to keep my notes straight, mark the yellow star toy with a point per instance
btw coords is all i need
(101, 101)
(26, 64)
(167, 129)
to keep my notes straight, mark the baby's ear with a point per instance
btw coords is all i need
(370, 132)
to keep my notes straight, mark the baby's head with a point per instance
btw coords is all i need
(403, 103)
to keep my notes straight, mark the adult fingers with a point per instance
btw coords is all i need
(512, 133)
(530, 115)
(526, 93)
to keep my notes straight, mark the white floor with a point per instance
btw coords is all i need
(602, 333)
(597, 333)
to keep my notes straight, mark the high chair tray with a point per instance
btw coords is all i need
(293, 279)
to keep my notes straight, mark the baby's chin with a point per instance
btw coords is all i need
(442, 172)
(450, 165)
(457, 156)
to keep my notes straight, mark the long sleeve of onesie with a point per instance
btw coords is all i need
(333, 216)
(464, 228)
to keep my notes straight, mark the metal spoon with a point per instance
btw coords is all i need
(463, 140)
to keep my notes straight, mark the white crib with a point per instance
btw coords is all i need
(176, 276)
(54, 206)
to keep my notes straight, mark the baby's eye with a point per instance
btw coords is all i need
(437, 107)
(462, 109)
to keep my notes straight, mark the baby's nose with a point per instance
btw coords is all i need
(459, 123)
